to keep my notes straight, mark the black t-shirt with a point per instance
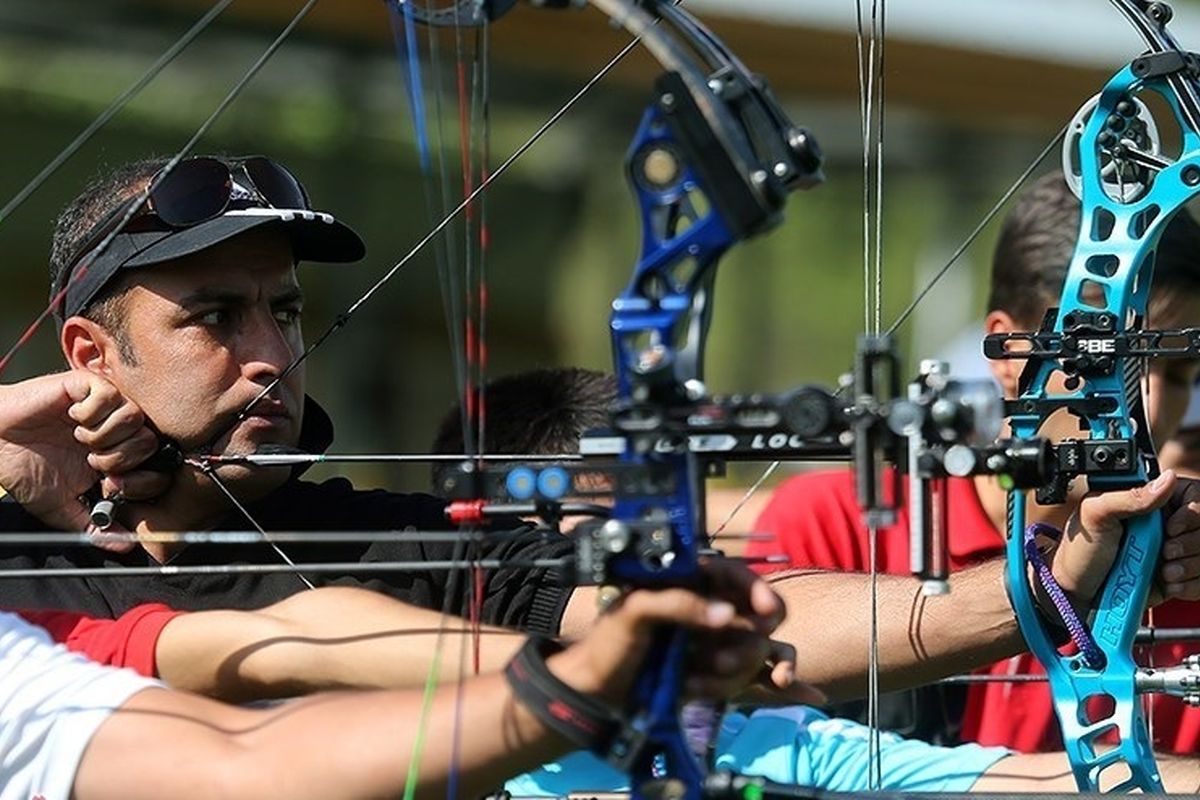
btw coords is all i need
(517, 596)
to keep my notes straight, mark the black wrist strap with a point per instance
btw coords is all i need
(582, 720)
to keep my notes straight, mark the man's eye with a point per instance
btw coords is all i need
(218, 316)
(287, 316)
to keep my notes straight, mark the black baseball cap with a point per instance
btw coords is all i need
(153, 236)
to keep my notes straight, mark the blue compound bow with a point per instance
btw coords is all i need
(711, 164)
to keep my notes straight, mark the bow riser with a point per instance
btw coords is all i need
(659, 324)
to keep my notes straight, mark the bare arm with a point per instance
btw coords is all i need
(920, 638)
(331, 746)
(1049, 772)
(329, 638)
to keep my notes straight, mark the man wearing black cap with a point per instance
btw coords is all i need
(182, 311)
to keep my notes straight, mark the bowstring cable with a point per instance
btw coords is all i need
(774, 465)
(986, 220)
(404, 27)
(878, 79)
(481, 105)
(485, 236)
(453, 291)
(1148, 699)
(475, 148)
(463, 304)
(870, 80)
(472, 376)
(864, 118)
(880, 36)
(433, 188)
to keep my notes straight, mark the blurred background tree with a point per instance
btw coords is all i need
(974, 90)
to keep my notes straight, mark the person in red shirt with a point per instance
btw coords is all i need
(814, 518)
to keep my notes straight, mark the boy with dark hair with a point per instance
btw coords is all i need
(542, 411)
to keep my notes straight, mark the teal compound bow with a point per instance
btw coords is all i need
(1094, 346)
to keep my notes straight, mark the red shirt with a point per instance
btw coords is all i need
(814, 520)
(128, 641)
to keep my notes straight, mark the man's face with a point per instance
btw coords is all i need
(1170, 382)
(209, 332)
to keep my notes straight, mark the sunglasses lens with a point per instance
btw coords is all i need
(195, 191)
(276, 185)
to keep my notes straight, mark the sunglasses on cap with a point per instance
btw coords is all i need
(195, 191)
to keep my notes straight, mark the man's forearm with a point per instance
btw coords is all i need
(330, 638)
(921, 639)
(354, 745)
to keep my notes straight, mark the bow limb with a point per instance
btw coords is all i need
(706, 172)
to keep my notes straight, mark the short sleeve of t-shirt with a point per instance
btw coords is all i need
(52, 702)
(129, 641)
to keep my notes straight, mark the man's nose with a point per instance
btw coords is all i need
(266, 349)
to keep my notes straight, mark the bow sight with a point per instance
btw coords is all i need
(938, 428)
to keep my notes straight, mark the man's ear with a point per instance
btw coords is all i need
(87, 345)
(1007, 371)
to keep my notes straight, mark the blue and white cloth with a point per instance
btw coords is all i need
(796, 745)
